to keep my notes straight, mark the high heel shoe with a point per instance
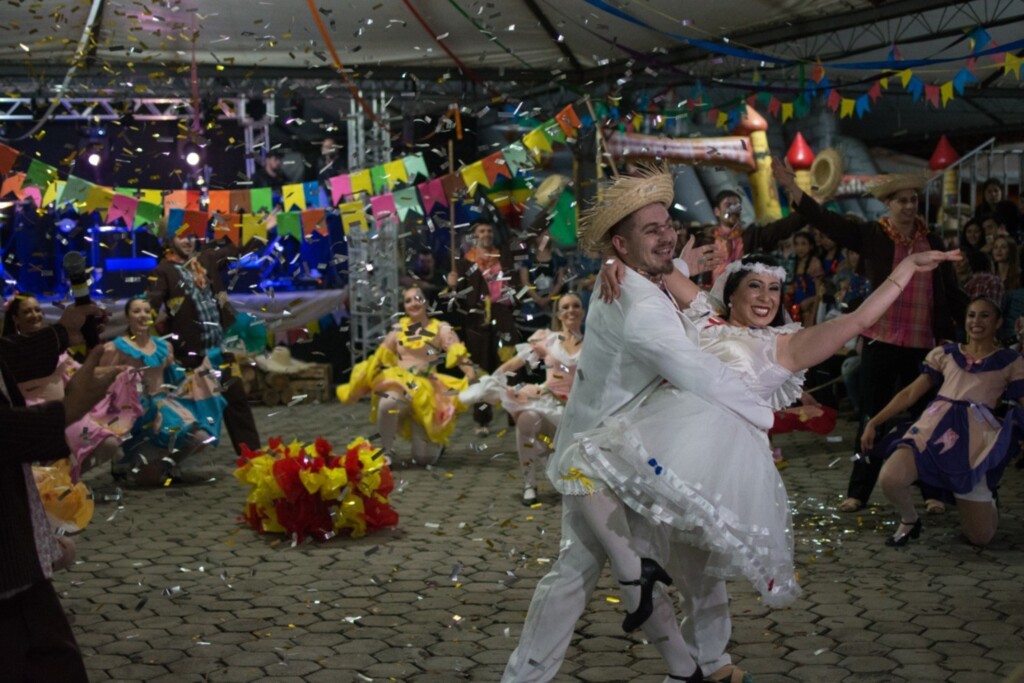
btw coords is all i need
(696, 677)
(650, 571)
(898, 539)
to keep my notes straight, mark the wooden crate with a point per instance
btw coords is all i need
(303, 386)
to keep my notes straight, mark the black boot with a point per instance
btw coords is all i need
(650, 571)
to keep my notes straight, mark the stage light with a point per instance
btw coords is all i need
(94, 158)
(192, 158)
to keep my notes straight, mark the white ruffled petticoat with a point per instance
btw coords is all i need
(703, 470)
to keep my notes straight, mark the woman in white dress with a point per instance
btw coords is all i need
(705, 471)
(537, 408)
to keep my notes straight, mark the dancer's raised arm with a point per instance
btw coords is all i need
(812, 345)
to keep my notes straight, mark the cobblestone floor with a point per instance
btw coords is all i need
(171, 587)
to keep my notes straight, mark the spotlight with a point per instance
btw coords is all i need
(94, 158)
(192, 158)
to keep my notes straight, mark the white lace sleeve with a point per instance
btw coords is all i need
(700, 307)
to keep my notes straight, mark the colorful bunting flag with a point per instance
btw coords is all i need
(396, 173)
(383, 206)
(361, 182)
(293, 195)
(289, 223)
(261, 199)
(228, 225)
(379, 179)
(12, 185)
(39, 174)
(494, 167)
(254, 227)
(219, 201)
(406, 200)
(353, 215)
(537, 142)
(946, 90)
(569, 121)
(341, 187)
(148, 213)
(474, 176)
(432, 193)
(415, 166)
(8, 155)
(517, 158)
(314, 220)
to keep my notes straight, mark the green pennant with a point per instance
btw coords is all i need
(563, 219)
(76, 190)
(39, 174)
(415, 166)
(262, 199)
(290, 223)
(553, 131)
(517, 158)
(379, 178)
(149, 213)
(407, 200)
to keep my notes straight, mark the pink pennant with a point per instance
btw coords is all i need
(432, 193)
(834, 100)
(931, 93)
(341, 187)
(124, 207)
(875, 92)
(383, 206)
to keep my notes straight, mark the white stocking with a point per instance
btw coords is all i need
(390, 411)
(530, 427)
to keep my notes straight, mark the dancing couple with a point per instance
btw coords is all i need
(662, 456)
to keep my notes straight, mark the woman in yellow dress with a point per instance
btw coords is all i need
(409, 393)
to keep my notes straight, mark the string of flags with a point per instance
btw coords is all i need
(395, 188)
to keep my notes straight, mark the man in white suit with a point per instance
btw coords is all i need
(632, 344)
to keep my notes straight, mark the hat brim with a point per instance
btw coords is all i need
(626, 195)
(826, 173)
(897, 182)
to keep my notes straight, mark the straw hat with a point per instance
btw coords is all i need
(623, 197)
(826, 173)
(895, 182)
(549, 190)
(280, 360)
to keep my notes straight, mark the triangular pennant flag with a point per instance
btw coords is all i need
(563, 219)
(722, 120)
(260, 199)
(875, 92)
(220, 201)
(432, 193)
(915, 87)
(353, 215)
(773, 106)
(415, 166)
(495, 167)
(314, 220)
(289, 223)
(122, 208)
(946, 91)
(254, 227)
(53, 191)
(75, 191)
(175, 199)
(905, 76)
(8, 155)
(311, 190)
(241, 201)
(884, 82)
(396, 173)
(383, 206)
(1011, 64)
(293, 195)
(569, 121)
(228, 225)
(834, 100)
(980, 39)
(341, 187)
(454, 184)
(817, 73)
(787, 111)
(846, 107)
(379, 179)
(192, 199)
(99, 198)
(407, 200)
(960, 81)
(151, 196)
(194, 223)
(12, 185)
(517, 158)
(148, 213)
(863, 106)
(361, 182)
(554, 131)
(39, 174)
(537, 142)
(931, 93)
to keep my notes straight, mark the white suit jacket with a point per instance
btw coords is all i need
(630, 343)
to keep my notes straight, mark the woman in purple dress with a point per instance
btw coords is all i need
(957, 444)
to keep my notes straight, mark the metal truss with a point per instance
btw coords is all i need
(373, 284)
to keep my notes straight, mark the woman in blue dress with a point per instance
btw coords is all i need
(183, 410)
(957, 444)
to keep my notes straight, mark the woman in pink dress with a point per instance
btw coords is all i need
(409, 395)
(98, 436)
(537, 408)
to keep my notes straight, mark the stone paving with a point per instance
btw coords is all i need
(170, 586)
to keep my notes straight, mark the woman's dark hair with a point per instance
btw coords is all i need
(131, 300)
(991, 302)
(13, 307)
(735, 279)
(964, 244)
(978, 261)
(990, 182)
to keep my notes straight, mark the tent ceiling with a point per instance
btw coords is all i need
(516, 49)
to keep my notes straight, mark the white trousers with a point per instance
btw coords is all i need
(563, 594)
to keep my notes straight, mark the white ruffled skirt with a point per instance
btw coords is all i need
(706, 473)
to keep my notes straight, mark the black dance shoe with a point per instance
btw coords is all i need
(899, 539)
(650, 571)
(696, 677)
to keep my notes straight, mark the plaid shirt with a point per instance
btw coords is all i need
(908, 322)
(206, 306)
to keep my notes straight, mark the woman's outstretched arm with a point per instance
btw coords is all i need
(810, 346)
